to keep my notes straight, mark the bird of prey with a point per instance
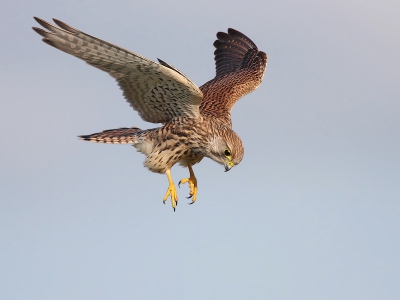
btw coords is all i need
(196, 122)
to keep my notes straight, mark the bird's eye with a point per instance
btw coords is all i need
(227, 152)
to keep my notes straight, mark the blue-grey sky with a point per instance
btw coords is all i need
(312, 212)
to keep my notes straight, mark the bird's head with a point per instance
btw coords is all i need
(226, 148)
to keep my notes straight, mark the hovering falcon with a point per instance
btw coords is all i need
(196, 122)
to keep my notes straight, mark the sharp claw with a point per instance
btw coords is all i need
(163, 202)
(189, 197)
(179, 183)
(191, 203)
(174, 209)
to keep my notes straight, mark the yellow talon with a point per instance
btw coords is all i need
(171, 191)
(192, 185)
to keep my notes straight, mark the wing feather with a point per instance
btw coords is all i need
(240, 68)
(159, 92)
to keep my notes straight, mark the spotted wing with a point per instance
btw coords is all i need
(240, 68)
(159, 92)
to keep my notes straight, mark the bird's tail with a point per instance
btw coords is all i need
(114, 136)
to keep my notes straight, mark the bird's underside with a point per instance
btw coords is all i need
(196, 121)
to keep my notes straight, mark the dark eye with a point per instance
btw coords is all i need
(227, 152)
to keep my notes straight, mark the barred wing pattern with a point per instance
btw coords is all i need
(159, 92)
(240, 68)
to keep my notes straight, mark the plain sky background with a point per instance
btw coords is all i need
(312, 212)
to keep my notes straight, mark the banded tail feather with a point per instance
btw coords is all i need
(121, 135)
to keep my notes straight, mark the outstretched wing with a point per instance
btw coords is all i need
(159, 92)
(240, 68)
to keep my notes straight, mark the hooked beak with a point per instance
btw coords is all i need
(228, 165)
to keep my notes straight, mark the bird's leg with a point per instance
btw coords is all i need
(192, 184)
(171, 191)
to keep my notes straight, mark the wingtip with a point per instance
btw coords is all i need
(87, 138)
(223, 36)
(49, 42)
(234, 33)
(65, 26)
(262, 55)
(57, 21)
(41, 21)
(41, 31)
(237, 34)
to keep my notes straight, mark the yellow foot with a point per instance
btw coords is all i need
(192, 185)
(174, 197)
(171, 191)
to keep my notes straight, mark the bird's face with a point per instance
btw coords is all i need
(227, 150)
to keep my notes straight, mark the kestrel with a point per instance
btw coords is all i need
(196, 122)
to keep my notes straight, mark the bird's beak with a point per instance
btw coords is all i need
(228, 165)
